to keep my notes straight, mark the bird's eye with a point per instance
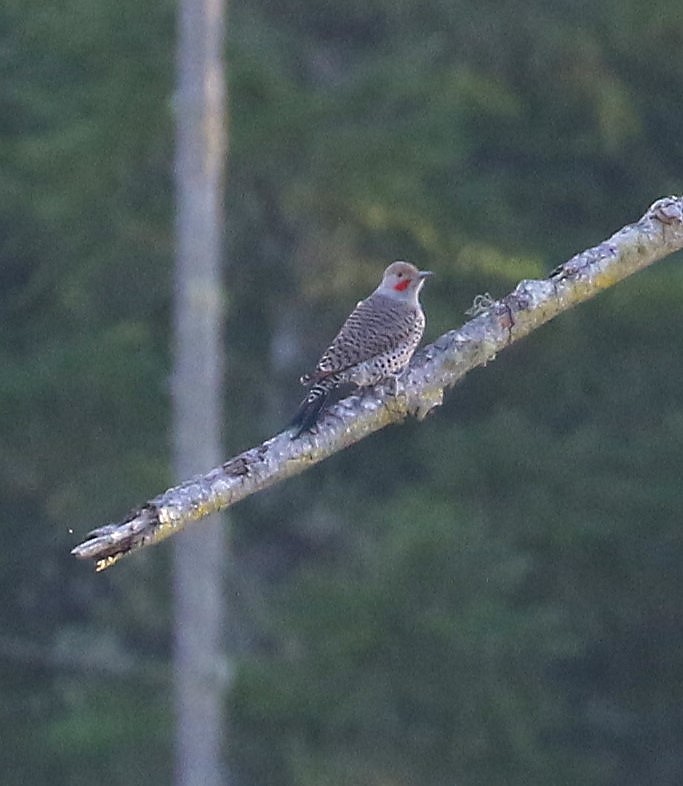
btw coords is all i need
(399, 275)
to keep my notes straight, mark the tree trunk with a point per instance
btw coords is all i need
(200, 662)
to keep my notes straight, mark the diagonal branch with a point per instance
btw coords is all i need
(436, 367)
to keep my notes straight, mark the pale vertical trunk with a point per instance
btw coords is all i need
(199, 657)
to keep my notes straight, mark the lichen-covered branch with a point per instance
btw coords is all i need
(435, 368)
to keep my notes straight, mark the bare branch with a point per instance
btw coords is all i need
(435, 368)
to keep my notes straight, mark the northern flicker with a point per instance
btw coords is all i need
(374, 344)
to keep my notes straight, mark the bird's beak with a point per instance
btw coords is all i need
(425, 274)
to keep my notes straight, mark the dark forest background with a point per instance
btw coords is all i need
(490, 598)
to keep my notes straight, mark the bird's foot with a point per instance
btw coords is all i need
(391, 385)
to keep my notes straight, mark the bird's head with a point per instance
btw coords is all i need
(403, 281)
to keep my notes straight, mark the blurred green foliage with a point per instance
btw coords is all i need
(491, 597)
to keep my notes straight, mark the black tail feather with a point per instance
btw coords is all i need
(310, 408)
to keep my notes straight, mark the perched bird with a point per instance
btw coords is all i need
(374, 344)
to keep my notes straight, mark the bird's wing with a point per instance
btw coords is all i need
(377, 325)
